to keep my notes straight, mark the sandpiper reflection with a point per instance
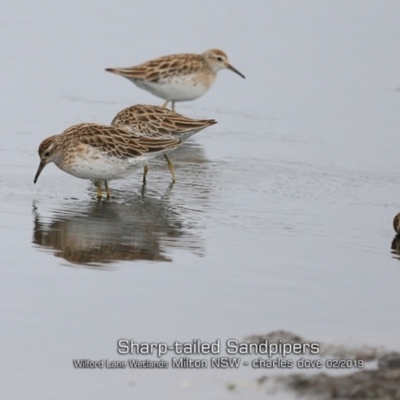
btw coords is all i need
(99, 233)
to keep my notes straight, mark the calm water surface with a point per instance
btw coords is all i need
(280, 218)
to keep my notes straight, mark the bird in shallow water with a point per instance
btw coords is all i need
(100, 152)
(159, 122)
(179, 77)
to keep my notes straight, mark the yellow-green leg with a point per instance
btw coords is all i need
(107, 190)
(145, 171)
(99, 191)
(172, 105)
(171, 168)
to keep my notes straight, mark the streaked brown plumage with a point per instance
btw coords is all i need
(159, 122)
(100, 152)
(179, 77)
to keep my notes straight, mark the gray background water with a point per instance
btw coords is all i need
(280, 219)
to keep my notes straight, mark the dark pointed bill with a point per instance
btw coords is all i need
(40, 169)
(235, 70)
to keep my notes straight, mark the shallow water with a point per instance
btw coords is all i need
(280, 218)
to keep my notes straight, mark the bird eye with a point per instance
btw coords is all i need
(219, 58)
(46, 154)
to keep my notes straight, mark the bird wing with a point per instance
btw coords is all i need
(118, 142)
(156, 121)
(154, 70)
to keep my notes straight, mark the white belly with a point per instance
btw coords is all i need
(102, 168)
(182, 88)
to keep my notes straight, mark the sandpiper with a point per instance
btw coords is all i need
(396, 223)
(159, 122)
(100, 152)
(179, 77)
